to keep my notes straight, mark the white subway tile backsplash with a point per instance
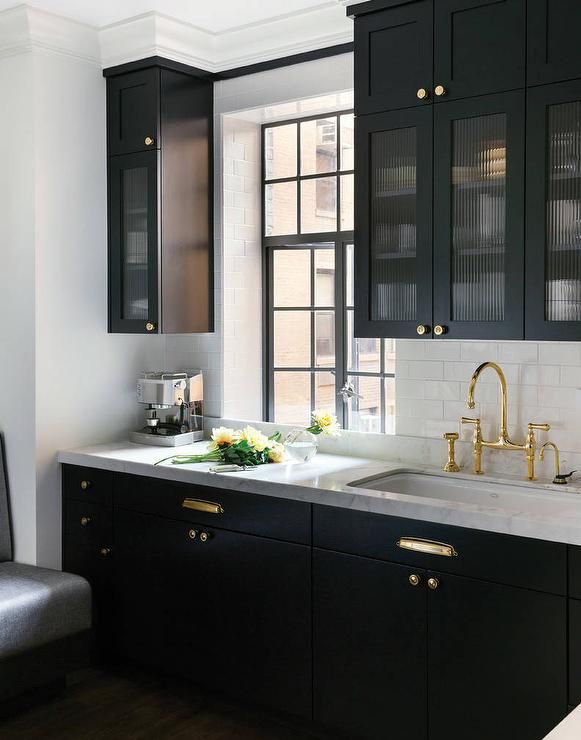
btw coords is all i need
(425, 370)
(479, 351)
(560, 353)
(518, 352)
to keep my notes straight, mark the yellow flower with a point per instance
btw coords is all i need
(254, 438)
(326, 422)
(221, 436)
(276, 452)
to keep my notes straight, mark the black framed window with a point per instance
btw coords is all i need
(312, 359)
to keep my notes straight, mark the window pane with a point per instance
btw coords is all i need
(319, 205)
(280, 209)
(389, 355)
(325, 277)
(347, 142)
(347, 185)
(280, 151)
(292, 339)
(292, 277)
(319, 146)
(292, 398)
(349, 277)
(325, 393)
(363, 355)
(389, 405)
(325, 339)
(364, 414)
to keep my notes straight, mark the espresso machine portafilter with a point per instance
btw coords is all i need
(179, 396)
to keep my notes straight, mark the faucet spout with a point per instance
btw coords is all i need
(503, 437)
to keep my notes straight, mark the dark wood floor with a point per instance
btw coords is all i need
(131, 705)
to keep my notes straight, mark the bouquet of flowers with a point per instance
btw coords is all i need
(244, 447)
(324, 423)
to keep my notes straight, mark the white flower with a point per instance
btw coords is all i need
(221, 436)
(276, 452)
(326, 422)
(255, 439)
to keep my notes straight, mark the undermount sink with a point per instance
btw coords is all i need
(461, 490)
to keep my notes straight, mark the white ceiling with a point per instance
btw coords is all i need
(215, 16)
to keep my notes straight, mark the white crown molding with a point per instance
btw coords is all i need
(25, 29)
(154, 34)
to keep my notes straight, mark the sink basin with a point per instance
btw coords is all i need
(461, 490)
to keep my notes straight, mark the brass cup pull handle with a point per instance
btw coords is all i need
(85, 484)
(428, 547)
(85, 521)
(414, 579)
(204, 536)
(440, 90)
(422, 94)
(149, 141)
(150, 326)
(433, 583)
(422, 330)
(439, 330)
(209, 507)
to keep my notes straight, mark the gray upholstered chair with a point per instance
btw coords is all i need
(45, 617)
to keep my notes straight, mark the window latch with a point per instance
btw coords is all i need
(348, 391)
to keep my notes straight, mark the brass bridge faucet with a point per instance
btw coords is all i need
(503, 442)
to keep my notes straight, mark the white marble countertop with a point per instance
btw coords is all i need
(569, 728)
(543, 511)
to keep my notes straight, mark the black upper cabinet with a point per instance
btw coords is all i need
(133, 111)
(479, 217)
(393, 57)
(479, 47)
(553, 41)
(413, 53)
(160, 202)
(553, 222)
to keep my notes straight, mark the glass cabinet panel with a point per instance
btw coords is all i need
(135, 297)
(478, 218)
(563, 213)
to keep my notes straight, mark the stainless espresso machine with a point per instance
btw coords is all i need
(174, 413)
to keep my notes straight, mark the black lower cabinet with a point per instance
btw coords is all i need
(230, 611)
(369, 648)
(497, 661)
(449, 658)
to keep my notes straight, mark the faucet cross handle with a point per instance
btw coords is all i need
(476, 442)
(530, 446)
(540, 427)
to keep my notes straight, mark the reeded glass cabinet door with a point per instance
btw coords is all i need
(478, 214)
(133, 243)
(393, 252)
(553, 300)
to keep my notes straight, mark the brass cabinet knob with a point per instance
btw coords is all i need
(85, 484)
(150, 326)
(85, 521)
(149, 140)
(440, 90)
(422, 93)
(105, 552)
(433, 583)
(414, 579)
(204, 536)
(192, 534)
(439, 330)
(422, 330)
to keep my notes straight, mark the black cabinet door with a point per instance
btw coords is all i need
(553, 221)
(393, 58)
(478, 217)
(133, 111)
(369, 647)
(553, 41)
(574, 652)
(232, 612)
(479, 47)
(133, 243)
(393, 224)
(497, 661)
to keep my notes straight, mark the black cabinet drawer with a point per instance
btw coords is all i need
(88, 523)
(574, 652)
(241, 512)
(88, 484)
(516, 561)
